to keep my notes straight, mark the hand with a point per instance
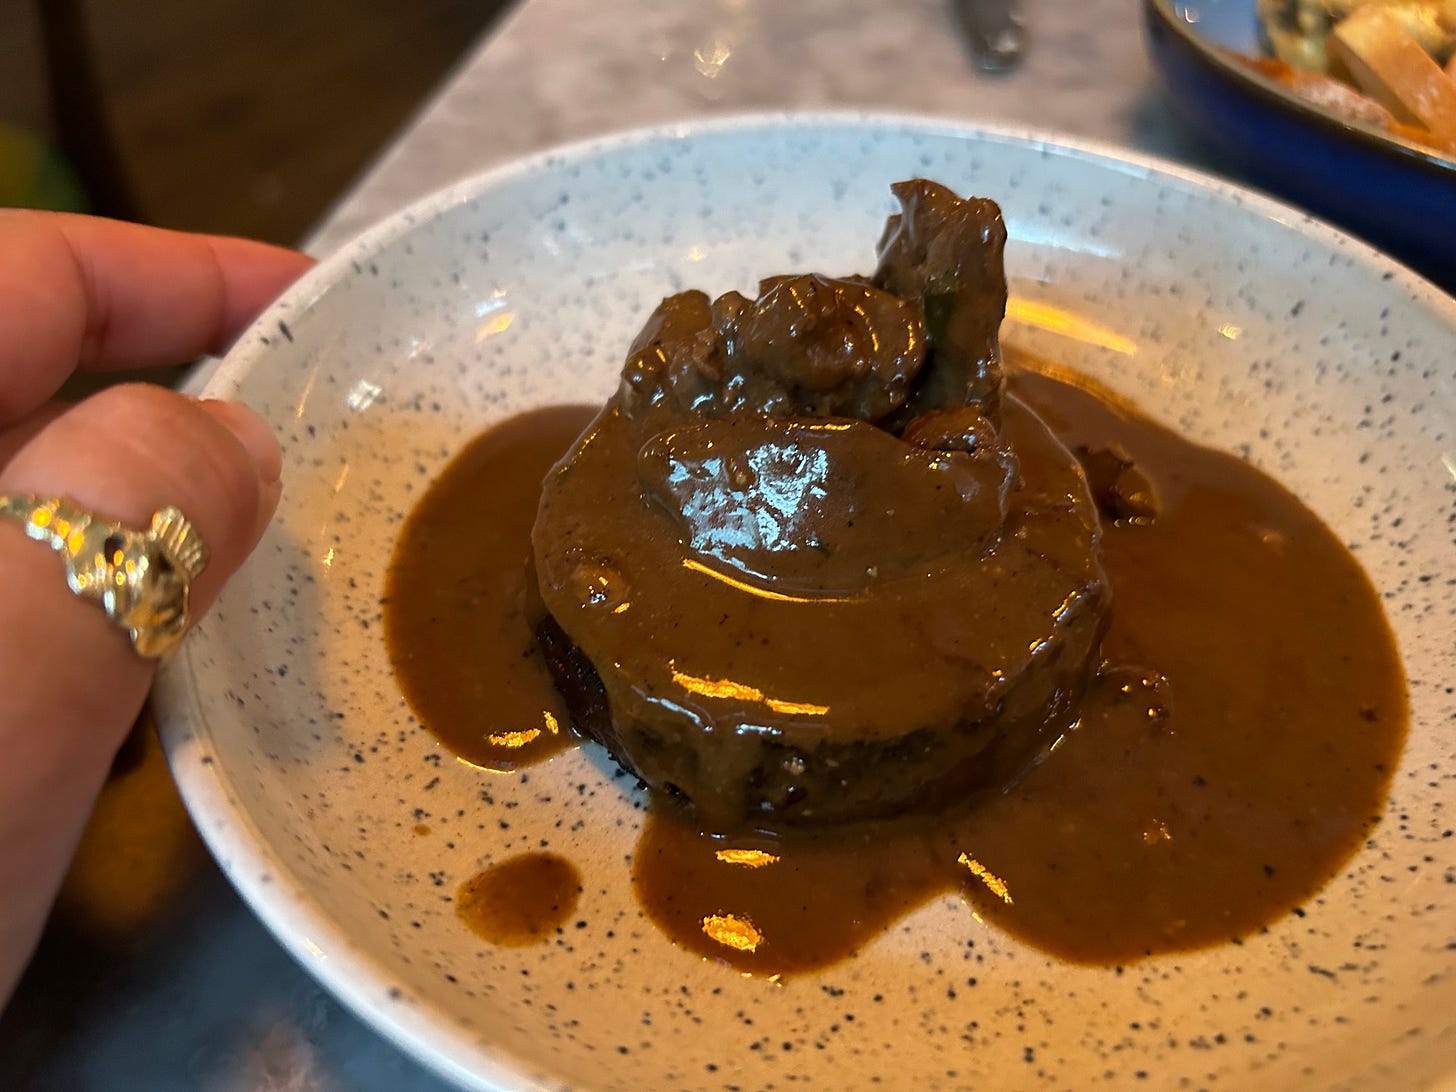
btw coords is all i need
(77, 292)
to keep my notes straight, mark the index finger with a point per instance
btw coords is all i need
(83, 291)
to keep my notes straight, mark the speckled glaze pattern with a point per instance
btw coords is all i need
(1250, 327)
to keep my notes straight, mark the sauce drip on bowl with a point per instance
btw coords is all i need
(455, 598)
(1230, 757)
(520, 901)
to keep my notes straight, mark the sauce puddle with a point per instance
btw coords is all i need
(455, 598)
(521, 901)
(1231, 756)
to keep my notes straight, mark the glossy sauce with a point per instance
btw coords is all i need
(1231, 756)
(454, 613)
(521, 901)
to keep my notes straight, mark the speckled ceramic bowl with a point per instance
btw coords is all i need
(1245, 323)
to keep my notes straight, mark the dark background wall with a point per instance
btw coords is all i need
(239, 116)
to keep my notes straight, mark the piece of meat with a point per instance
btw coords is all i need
(947, 253)
(807, 345)
(807, 506)
(1122, 492)
(765, 604)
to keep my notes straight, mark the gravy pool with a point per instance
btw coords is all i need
(1231, 756)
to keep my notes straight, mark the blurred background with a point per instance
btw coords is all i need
(244, 117)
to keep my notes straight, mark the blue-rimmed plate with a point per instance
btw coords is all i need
(1398, 195)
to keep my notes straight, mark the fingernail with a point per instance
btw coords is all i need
(253, 432)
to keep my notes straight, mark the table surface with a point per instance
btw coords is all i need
(156, 975)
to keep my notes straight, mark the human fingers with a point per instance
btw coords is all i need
(16, 436)
(72, 681)
(83, 291)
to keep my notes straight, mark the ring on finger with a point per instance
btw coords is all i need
(142, 580)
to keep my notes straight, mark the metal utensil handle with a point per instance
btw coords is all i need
(994, 30)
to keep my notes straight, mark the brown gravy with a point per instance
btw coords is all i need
(521, 901)
(1230, 758)
(454, 613)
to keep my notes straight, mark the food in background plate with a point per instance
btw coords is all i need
(1375, 63)
(1392, 68)
(1297, 31)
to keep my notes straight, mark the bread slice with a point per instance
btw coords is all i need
(1392, 67)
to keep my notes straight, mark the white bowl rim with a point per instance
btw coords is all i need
(285, 906)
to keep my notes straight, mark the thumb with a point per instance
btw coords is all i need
(72, 683)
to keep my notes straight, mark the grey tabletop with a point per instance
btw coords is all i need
(154, 974)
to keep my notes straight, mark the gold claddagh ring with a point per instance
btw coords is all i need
(141, 579)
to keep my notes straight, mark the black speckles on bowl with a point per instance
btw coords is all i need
(1245, 323)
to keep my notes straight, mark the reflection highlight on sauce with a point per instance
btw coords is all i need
(749, 858)
(994, 883)
(727, 689)
(693, 565)
(737, 933)
(515, 740)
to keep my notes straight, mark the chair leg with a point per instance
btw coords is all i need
(82, 130)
